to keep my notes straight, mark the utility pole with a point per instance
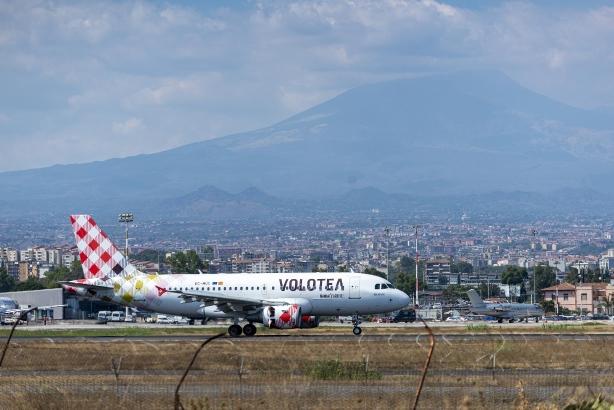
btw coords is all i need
(417, 301)
(534, 298)
(387, 231)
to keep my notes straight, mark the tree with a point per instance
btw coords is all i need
(31, 283)
(76, 269)
(572, 276)
(514, 275)
(455, 292)
(548, 306)
(149, 255)
(488, 290)
(545, 276)
(461, 267)
(375, 272)
(406, 264)
(7, 283)
(407, 282)
(187, 262)
(59, 273)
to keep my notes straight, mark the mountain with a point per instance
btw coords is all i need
(465, 133)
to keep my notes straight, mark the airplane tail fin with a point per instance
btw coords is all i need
(476, 300)
(100, 258)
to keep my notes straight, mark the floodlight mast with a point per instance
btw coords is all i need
(387, 231)
(417, 302)
(126, 218)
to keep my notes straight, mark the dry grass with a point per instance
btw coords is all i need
(263, 373)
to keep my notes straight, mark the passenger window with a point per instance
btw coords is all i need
(258, 288)
(235, 288)
(241, 288)
(273, 288)
(224, 287)
(377, 286)
(252, 288)
(207, 288)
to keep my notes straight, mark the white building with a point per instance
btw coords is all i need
(606, 262)
(54, 256)
(68, 259)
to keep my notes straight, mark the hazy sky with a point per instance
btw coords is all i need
(83, 81)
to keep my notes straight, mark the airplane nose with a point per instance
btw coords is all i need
(402, 298)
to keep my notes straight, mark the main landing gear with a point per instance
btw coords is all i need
(356, 322)
(248, 330)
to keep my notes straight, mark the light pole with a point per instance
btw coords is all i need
(534, 298)
(417, 302)
(126, 218)
(387, 230)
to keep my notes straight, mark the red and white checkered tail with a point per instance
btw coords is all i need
(99, 257)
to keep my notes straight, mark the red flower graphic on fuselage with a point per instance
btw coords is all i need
(285, 317)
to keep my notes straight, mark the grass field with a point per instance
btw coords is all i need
(285, 373)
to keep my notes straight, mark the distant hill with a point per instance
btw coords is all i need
(461, 134)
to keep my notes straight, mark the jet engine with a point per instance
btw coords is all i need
(308, 322)
(282, 316)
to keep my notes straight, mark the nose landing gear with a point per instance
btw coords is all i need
(356, 322)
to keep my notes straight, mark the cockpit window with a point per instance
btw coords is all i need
(377, 286)
(390, 286)
(384, 286)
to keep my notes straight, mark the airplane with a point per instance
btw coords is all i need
(277, 300)
(501, 311)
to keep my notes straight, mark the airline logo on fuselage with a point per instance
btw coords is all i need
(319, 284)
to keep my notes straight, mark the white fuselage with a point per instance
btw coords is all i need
(332, 293)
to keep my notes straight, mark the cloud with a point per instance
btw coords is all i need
(126, 127)
(90, 72)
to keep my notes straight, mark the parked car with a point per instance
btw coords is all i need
(408, 315)
(130, 318)
(600, 316)
(164, 320)
(118, 316)
(103, 317)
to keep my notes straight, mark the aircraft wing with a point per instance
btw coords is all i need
(224, 303)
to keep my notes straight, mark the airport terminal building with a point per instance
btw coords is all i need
(73, 307)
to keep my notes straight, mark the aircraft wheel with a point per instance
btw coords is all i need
(249, 330)
(499, 320)
(511, 320)
(191, 322)
(203, 322)
(235, 330)
(357, 331)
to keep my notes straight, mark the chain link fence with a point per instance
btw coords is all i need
(473, 371)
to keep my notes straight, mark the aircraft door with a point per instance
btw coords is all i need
(355, 287)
